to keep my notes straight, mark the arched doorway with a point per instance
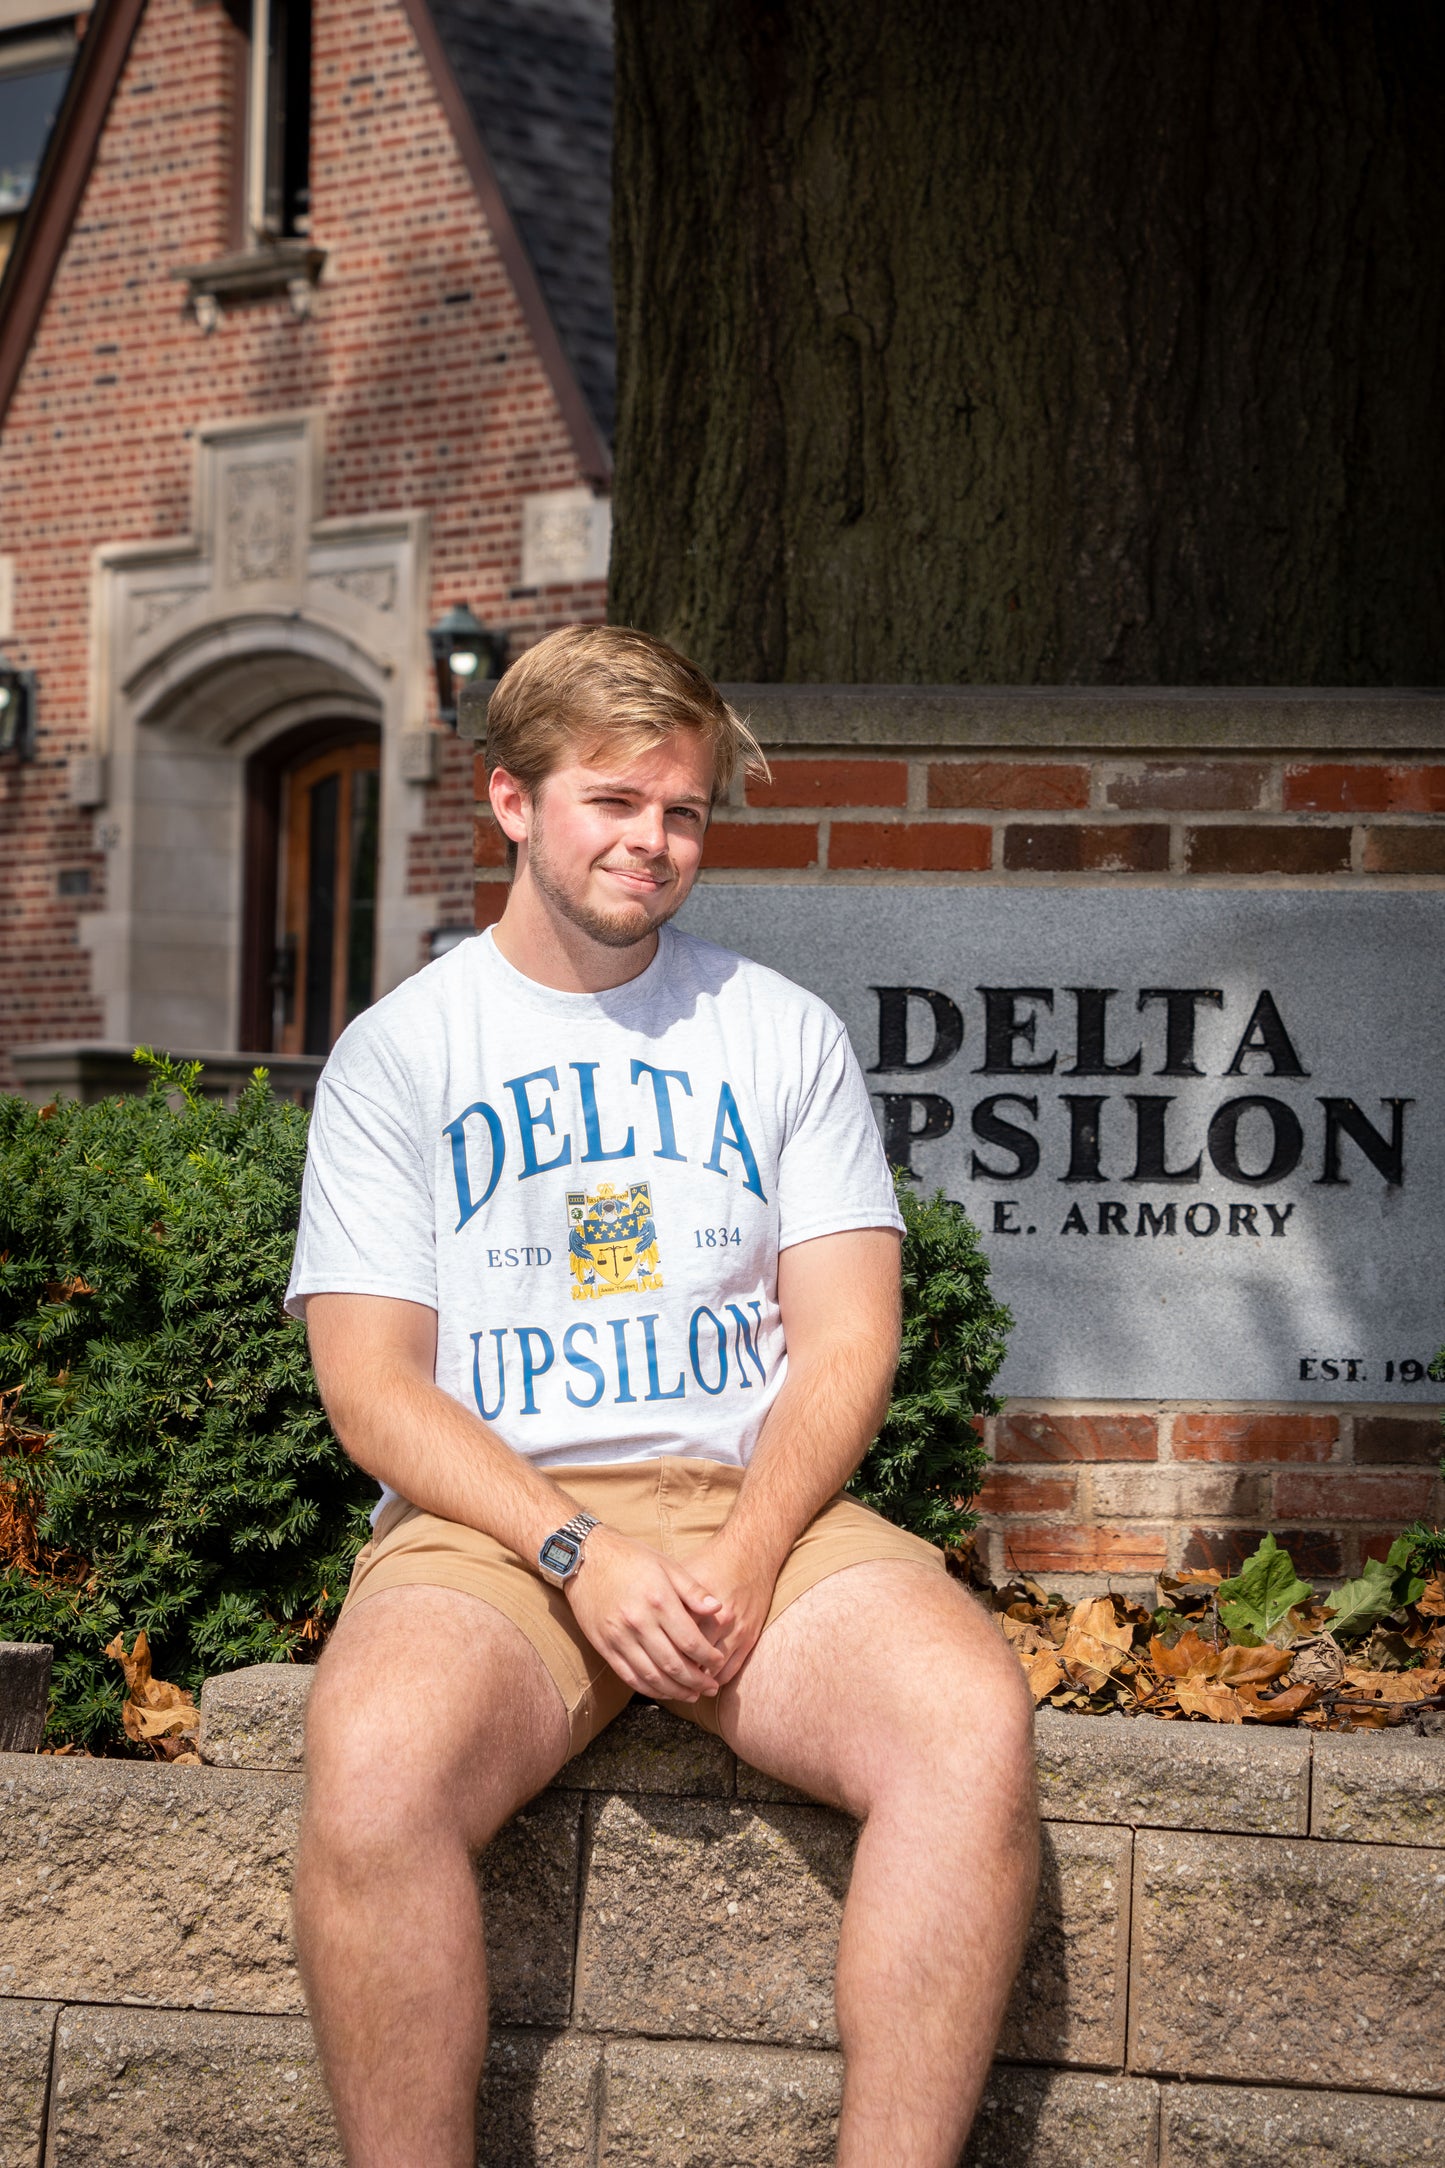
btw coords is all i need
(313, 816)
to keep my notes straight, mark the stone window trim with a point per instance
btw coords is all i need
(290, 267)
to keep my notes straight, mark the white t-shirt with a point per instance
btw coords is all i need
(591, 1190)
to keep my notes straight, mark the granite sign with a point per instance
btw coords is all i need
(1200, 1130)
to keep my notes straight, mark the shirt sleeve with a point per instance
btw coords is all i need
(832, 1174)
(368, 1222)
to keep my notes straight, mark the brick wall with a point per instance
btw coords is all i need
(1080, 1488)
(416, 348)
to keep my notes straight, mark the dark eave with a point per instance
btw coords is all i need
(526, 86)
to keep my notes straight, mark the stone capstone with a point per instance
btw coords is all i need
(671, 2104)
(1258, 1958)
(1173, 1776)
(648, 1749)
(26, 2031)
(1378, 1788)
(1063, 2119)
(1229, 2126)
(256, 1718)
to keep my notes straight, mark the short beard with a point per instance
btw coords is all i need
(608, 929)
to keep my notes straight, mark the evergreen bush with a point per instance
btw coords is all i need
(164, 1459)
(166, 1463)
(927, 1463)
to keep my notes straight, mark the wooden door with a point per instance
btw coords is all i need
(327, 903)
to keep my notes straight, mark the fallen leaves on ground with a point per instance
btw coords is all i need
(162, 1716)
(1259, 1647)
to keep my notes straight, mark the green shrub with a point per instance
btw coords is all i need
(927, 1463)
(164, 1460)
(167, 1463)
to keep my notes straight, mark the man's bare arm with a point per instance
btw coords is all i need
(840, 1301)
(374, 1358)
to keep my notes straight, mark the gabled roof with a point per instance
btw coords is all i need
(527, 88)
(537, 78)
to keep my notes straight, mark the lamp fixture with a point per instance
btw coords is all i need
(17, 710)
(464, 652)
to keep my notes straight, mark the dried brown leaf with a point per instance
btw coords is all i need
(1044, 1673)
(1281, 1708)
(1430, 1603)
(1252, 1667)
(1189, 1655)
(1203, 1697)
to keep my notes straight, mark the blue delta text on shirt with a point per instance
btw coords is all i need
(728, 1132)
(711, 1339)
(718, 1348)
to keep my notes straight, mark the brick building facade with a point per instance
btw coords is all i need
(242, 473)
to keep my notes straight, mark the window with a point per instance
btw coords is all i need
(278, 190)
(35, 62)
(326, 959)
(278, 118)
(309, 960)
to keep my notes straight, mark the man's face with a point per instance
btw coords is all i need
(615, 847)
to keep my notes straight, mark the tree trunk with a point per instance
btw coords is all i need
(1036, 343)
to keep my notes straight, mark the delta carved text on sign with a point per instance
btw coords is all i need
(1201, 1131)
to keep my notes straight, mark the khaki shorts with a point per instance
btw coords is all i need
(674, 1504)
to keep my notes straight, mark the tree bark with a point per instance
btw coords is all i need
(1030, 342)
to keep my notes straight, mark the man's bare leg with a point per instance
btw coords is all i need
(431, 1721)
(886, 1690)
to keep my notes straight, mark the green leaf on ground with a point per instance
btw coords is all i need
(1262, 1591)
(1363, 1603)
(1409, 1585)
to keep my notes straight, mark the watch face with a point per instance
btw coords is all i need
(560, 1554)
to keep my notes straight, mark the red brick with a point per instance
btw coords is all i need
(788, 845)
(1267, 847)
(1254, 1437)
(1013, 1492)
(1405, 850)
(1053, 1549)
(1069, 847)
(1336, 1494)
(909, 847)
(1316, 1552)
(1337, 786)
(1196, 786)
(1038, 786)
(1418, 789)
(833, 782)
(1040, 1437)
(491, 902)
(479, 778)
(489, 845)
(1358, 786)
(1386, 1440)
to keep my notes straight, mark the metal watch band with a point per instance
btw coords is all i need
(573, 1534)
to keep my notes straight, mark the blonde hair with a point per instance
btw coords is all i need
(593, 690)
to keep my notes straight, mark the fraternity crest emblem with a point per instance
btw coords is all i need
(611, 1241)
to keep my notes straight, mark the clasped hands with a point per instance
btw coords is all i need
(672, 1631)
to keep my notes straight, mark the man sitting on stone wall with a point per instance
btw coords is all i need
(599, 1259)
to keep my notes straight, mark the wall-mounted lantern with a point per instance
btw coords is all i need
(464, 653)
(17, 710)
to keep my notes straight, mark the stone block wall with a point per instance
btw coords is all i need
(1141, 788)
(1238, 1955)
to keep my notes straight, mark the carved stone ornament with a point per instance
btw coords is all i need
(153, 607)
(373, 585)
(260, 522)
